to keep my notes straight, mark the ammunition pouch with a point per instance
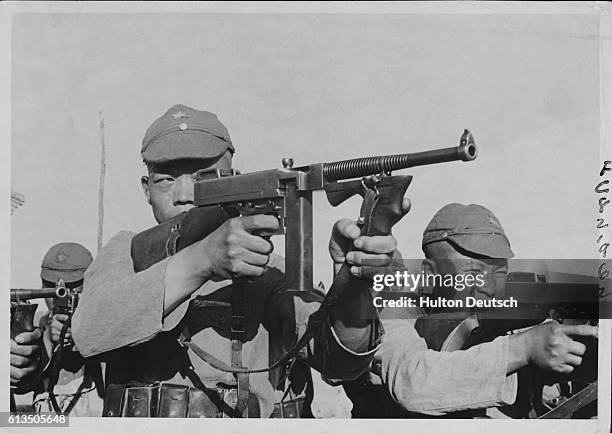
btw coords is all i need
(166, 400)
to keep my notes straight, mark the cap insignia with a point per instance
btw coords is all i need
(61, 257)
(493, 221)
(180, 115)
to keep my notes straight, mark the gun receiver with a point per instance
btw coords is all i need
(22, 312)
(287, 194)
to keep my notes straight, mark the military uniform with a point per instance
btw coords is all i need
(120, 319)
(410, 380)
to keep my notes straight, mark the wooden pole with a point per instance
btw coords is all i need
(101, 186)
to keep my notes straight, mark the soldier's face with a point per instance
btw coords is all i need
(169, 186)
(489, 275)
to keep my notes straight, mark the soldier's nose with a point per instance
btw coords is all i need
(183, 191)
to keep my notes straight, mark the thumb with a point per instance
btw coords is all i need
(406, 205)
(343, 233)
(346, 229)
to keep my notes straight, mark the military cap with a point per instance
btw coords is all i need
(183, 132)
(66, 260)
(472, 227)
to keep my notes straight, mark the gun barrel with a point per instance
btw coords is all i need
(351, 168)
(26, 294)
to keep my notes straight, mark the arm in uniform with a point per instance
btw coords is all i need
(435, 383)
(120, 308)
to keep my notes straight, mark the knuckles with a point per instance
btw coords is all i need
(233, 252)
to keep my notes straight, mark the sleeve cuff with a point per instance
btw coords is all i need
(346, 349)
(508, 387)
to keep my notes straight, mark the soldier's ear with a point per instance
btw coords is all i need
(428, 266)
(144, 181)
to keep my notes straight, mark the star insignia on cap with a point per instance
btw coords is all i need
(180, 115)
(61, 257)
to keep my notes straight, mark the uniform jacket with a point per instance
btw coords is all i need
(120, 319)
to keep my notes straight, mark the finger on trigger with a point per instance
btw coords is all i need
(260, 222)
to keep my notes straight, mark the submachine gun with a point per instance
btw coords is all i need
(22, 320)
(65, 300)
(22, 311)
(286, 193)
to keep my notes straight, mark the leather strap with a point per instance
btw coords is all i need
(238, 329)
(315, 323)
(54, 369)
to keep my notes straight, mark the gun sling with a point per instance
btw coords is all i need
(92, 373)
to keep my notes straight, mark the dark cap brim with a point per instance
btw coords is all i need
(69, 276)
(494, 246)
(186, 145)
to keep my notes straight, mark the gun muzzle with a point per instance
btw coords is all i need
(359, 167)
(27, 294)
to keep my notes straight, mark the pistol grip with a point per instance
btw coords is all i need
(22, 318)
(384, 210)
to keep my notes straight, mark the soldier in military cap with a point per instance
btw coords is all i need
(410, 380)
(133, 319)
(75, 382)
(66, 261)
(466, 240)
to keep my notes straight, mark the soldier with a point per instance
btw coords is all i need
(75, 382)
(408, 380)
(133, 319)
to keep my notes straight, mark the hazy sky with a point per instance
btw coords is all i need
(315, 87)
